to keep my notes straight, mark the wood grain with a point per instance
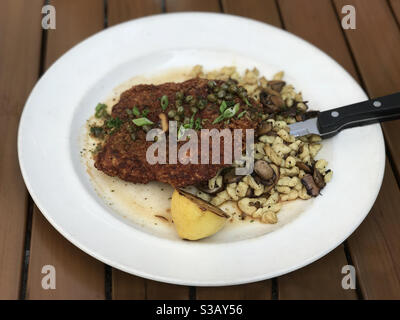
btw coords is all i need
(264, 11)
(374, 246)
(324, 284)
(78, 275)
(261, 290)
(19, 65)
(316, 22)
(126, 286)
(124, 10)
(376, 46)
(192, 5)
(395, 4)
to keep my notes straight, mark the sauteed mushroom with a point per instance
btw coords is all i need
(264, 170)
(318, 178)
(264, 128)
(303, 166)
(311, 186)
(231, 177)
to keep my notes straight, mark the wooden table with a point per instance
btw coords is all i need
(371, 54)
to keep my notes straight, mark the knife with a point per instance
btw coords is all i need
(329, 123)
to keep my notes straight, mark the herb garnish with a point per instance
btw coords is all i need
(164, 102)
(101, 110)
(228, 113)
(142, 121)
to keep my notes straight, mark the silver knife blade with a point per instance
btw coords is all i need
(303, 128)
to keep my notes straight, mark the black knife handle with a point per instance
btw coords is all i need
(371, 111)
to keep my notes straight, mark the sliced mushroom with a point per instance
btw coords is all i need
(275, 180)
(204, 187)
(318, 178)
(203, 205)
(277, 101)
(303, 166)
(231, 177)
(269, 106)
(276, 85)
(311, 186)
(264, 128)
(264, 170)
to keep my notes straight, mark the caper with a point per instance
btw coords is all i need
(193, 102)
(188, 98)
(186, 120)
(221, 94)
(171, 113)
(231, 81)
(233, 88)
(178, 103)
(177, 118)
(211, 97)
(128, 111)
(194, 109)
(146, 128)
(224, 86)
(229, 97)
(179, 95)
(211, 84)
(201, 104)
(180, 110)
(216, 89)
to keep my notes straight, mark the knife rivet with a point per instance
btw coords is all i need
(335, 114)
(377, 104)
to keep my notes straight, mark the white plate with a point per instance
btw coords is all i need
(48, 146)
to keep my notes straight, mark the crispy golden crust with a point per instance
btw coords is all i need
(126, 159)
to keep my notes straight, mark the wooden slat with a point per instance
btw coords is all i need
(20, 32)
(123, 10)
(376, 46)
(192, 5)
(374, 246)
(395, 4)
(125, 286)
(265, 11)
(252, 291)
(78, 276)
(322, 285)
(316, 22)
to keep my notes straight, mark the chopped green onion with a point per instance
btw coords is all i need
(164, 102)
(136, 111)
(114, 123)
(145, 112)
(100, 110)
(228, 113)
(241, 114)
(142, 121)
(223, 106)
(197, 124)
(247, 102)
